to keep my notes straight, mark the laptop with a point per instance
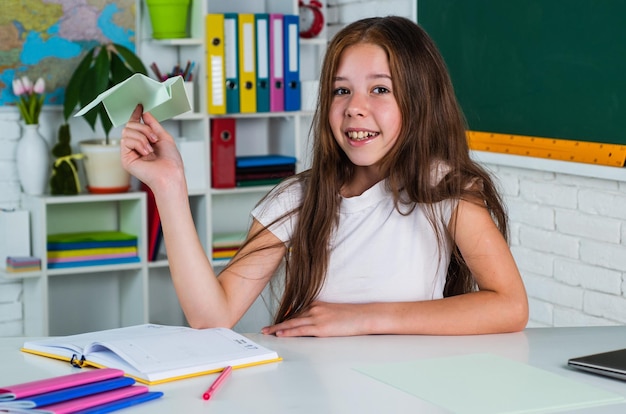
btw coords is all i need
(610, 364)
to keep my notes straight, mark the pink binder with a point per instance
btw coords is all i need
(277, 55)
(29, 389)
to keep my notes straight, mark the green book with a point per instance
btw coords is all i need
(90, 240)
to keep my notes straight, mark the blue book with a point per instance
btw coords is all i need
(264, 160)
(67, 394)
(99, 262)
(123, 403)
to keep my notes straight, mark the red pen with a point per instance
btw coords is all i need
(221, 378)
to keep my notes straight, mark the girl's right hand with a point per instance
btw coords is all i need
(149, 152)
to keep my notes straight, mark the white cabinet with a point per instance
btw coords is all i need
(70, 300)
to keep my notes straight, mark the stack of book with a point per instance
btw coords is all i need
(17, 264)
(97, 391)
(91, 249)
(263, 169)
(226, 245)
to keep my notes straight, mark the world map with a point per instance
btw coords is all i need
(48, 38)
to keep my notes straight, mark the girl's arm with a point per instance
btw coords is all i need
(150, 154)
(500, 305)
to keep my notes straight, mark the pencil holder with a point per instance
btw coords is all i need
(169, 18)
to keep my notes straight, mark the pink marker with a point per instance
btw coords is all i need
(221, 378)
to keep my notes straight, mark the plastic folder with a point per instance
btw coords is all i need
(247, 63)
(291, 35)
(67, 394)
(262, 62)
(28, 389)
(231, 44)
(277, 78)
(216, 94)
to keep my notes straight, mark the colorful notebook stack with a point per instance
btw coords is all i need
(226, 245)
(91, 249)
(263, 169)
(17, 264)
(90, 391)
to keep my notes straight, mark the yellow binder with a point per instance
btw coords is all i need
(216, 95)
(247, 63)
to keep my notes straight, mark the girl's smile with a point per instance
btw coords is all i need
(360, 135)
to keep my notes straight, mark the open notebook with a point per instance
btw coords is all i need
(153, 354)
(611, 364)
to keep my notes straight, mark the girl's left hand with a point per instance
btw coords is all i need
(323, 319)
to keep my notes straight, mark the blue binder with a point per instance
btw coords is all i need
(231, 56)
(124, 403)
(262, 62)
(291, 38)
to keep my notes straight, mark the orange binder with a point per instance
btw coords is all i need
(223, 152)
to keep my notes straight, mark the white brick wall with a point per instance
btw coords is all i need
(10, 292)
(569, 241)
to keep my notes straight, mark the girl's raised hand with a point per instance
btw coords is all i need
(149, 152)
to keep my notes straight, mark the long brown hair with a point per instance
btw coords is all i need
(433, 131)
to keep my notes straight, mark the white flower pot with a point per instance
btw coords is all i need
(32, 156)
(103, 167)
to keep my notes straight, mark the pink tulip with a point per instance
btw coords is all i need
(40, 86)
(18, 87)
(30, 98)
(28, 85)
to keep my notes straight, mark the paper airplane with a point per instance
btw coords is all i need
(164, 100)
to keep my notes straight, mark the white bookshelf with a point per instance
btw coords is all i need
(66, 301)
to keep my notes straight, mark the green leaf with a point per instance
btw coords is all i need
(102, 65)
(107, 125)
(131, 59)
(75, 85)
(119, 71)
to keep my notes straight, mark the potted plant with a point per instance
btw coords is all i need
(104, 66)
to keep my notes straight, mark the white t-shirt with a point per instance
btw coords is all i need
(377, 254)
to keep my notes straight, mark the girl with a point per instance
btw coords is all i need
(393, 230)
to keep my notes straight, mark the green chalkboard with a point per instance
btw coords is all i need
(546, 68)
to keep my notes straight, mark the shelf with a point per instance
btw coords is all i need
(262, 115)
(188, 41)
(19, 275)
(90, 198)
(93, 269)
(241, 190)
(192, 116)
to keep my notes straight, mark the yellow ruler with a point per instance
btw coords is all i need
(558, 149)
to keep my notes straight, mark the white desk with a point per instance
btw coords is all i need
(317, 375)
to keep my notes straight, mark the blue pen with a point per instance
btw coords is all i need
(189, 72)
